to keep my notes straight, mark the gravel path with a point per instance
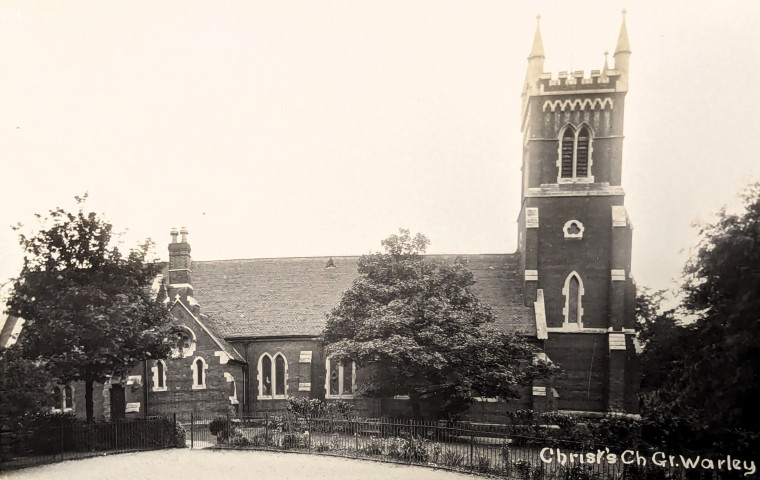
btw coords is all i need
(184, 464)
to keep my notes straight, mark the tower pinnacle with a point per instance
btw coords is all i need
(538, 45)
(622, 55)
(535, 63)
(623, 46)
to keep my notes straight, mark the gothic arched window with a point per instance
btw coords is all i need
(575, 154)
(582, 152)
(199, 368)
(273, 376)
(567, 151)
(573, 292)
(266, 376)
(279, 374)
(199, 372)
(159, 376)
(57, 399)
(68, 397)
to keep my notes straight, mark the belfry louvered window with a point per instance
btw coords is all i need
(575, 154)
(581, 152)
(568, 148)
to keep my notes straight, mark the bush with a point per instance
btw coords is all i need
(178, 436)
(452, 459)
(46, 433)
(409, 449)
(262, 440)
(523, 469)
(238, 440)
(322, 447)
(316, 408)
(49, 433)
(483, 464)
(294, 440)
(617, 430)
(577, 472)
(224, 429)
(304, 406)
(374, 446)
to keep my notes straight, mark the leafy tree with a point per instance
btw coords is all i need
(88, 308)
(424, 333)
(709, 361)
(25, 385)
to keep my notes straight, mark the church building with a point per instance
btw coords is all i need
(248, 331)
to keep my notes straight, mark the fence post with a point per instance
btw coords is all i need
(174, 427)
(62, 435)
(472, 449)
(308, 429)
(192, 430)
(266, 429)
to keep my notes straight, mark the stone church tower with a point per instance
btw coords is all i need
(574, 232)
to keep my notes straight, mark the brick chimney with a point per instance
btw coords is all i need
(180, 268)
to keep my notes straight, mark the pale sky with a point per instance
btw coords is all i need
(294, 128)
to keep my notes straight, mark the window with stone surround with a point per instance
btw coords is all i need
(340, 381)
(63, 399)
(199, 368)
(573, 311)
(184, 342)
(574, 161)
(159, 376)
(273, 376)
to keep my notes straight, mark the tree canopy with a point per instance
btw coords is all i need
(25, 385)
(701, 362)
(419, 328)
(88, 309)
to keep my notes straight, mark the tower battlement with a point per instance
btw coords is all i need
(578, 80)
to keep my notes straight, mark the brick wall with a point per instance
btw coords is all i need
(583, 358)
(180, 395)
(299, 374)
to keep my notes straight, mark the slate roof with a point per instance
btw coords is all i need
(277, 297)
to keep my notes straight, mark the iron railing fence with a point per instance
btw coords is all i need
(481, 448)
(25, 446)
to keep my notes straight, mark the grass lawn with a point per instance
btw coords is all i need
(185, 464)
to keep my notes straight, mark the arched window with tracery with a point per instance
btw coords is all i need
(184, 342)
(273, 376)
(575, 154)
